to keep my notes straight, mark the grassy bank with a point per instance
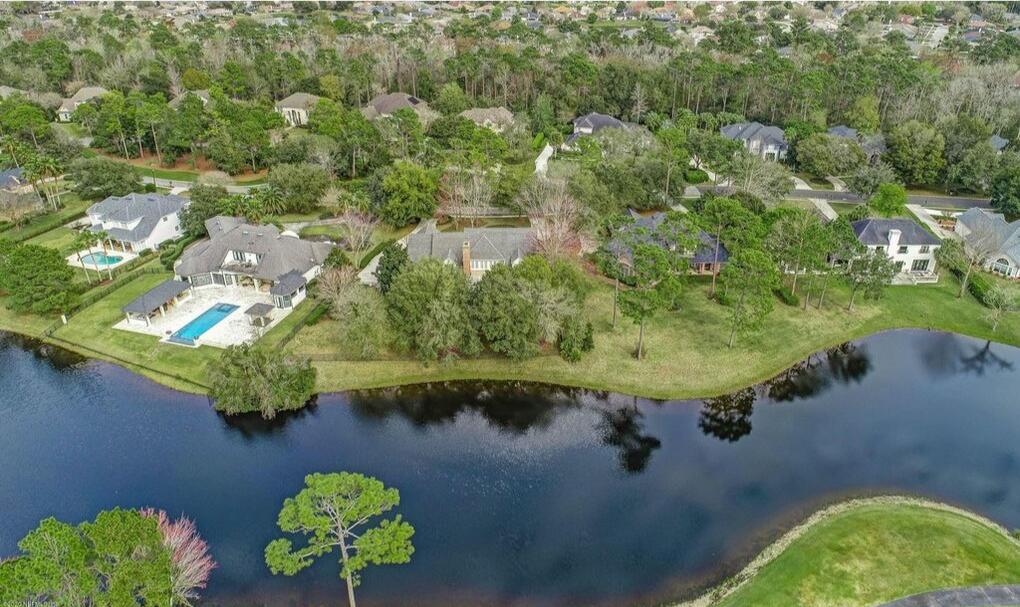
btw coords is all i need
(686, 351)
(869, 552)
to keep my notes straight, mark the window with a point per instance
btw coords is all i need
(903, 250)
(919, 265)
(165, 218)
(880, 249)
(925, 248)
(238, 255)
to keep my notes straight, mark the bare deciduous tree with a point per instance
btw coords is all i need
(466, 196)
(555, 217)
(357, 227)
(336, 286)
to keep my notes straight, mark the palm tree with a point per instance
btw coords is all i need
(83, 241)
(102, 237)
(51, 169)
(271, 199)
(34, 176)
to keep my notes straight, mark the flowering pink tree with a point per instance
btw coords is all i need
(189, 554)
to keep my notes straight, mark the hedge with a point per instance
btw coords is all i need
(367, 257)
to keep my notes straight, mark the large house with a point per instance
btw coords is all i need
(495, 119)
(384, 106)
(475, 250)
(137, 222)
(907, 244)
(592, 123)
(84, 95)
(873, 145)
(1001, 237)
(703, 259)
(240, 253)
(769, 142)
(296, 108)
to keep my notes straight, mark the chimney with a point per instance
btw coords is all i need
(894, 242)
(465, 253)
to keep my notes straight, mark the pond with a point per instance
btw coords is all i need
(521, 494)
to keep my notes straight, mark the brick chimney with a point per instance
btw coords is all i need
(894, 242)
(465, 253)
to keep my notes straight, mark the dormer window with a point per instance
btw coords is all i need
(238, 255)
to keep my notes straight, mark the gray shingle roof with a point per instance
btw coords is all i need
(1007, 235)
(755, 131)
(844, 131)
(385, 105)
(148, 208)
(202, 94)
(705, 253)
(151, 300)
(259, 310)
(487, 244)
(596, 122)
(278, 253)
(499, 116)
(288, 284)
(875, 232)
(301, 101)
(7, 91)
(84, 94)
(998, 143)
(11, 178)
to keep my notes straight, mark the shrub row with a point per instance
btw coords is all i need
(367, 257)
(171, 251)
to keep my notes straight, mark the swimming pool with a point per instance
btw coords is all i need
(101, 259)
(190, 332)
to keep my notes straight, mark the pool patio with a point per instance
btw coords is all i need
(236, 328)
(126, 256)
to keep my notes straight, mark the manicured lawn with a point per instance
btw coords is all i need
(876, 553)
(91, 333)
(843, 207)
(686, 350)
(814, 182)
(61, 239)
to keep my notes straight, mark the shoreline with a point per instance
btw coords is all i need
(507, 371)
(778, 546)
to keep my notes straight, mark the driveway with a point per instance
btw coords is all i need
(171, 184)
(976, 596)
(925, 217)
(938, 202)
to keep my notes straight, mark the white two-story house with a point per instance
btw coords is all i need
(905, 242)
(137, 222)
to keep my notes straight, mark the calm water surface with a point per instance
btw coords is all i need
(521, 495)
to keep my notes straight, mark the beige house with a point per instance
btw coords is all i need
(296, 108)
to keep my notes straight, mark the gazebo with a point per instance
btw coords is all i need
(156, 299)
(260, 314)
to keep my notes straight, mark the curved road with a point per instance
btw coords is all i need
(977, 596)
(945, 202)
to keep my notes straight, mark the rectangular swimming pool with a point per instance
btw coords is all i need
(190, 332)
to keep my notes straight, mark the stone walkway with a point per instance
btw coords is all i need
(977, 596)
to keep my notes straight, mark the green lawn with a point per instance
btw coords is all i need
(61, 239)
(686, 351)
(814, 182)
(91, 332)
(875, 553)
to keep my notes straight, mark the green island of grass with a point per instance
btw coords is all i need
(872, 551)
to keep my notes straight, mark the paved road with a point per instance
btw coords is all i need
(961, 202)
(978, 596)
(173, 183)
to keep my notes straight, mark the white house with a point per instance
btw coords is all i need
(295, 108)
(137, 222)
(1002, 239)
(84, 95)
(910, 246)
(769, 142)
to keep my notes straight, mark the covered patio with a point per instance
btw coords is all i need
(158, 299)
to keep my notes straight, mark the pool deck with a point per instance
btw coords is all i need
(234, 329)
(72, 259)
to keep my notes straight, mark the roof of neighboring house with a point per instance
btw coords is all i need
(85, 93)
(7, 91)
(875, 232)
(148, 208)
(755, 131)
(278, 253)
(873, 145)
(844, 131)
(299, 101)
(385, 105)
(486, 244)
(202, 94)
(288, 284)
(481, 116)
(597, 122)
(11, 178)
(705, 253)
(151, 300)
(998, 143)
(1006, 234)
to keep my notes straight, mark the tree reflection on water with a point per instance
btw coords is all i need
(728, 417)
